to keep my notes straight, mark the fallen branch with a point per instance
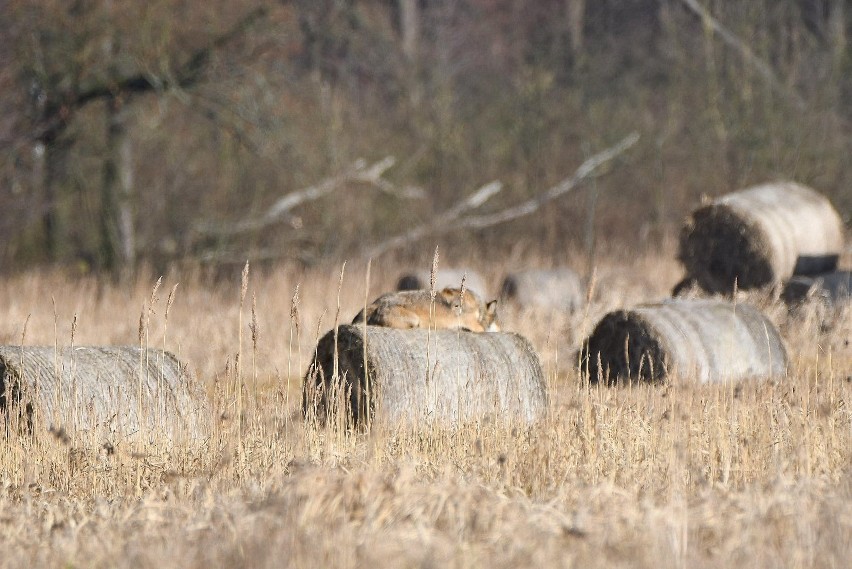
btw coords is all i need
(452, 219)
(280, 210)
(747, 54)
(443, 222)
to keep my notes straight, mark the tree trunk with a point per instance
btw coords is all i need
(575, 12)
(118, 247)
(409, 23)
(54, 172)
(126, 224)
(837, 31)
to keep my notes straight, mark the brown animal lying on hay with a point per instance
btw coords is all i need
(709, 340)
(423, 376)
(760, 237)
(450, 308)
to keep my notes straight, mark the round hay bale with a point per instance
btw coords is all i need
(555, 289)
(831, 288)
(419, 280)
(423, 376)
(761, 236)
(85, 388)
(711, 340)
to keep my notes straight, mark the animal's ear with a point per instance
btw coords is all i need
(448, 294)
(490, 319)
(491, 308)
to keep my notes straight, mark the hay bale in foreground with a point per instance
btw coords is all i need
(556, 289)
(709, 340)
(419, 280)
(761, 236)
(460, 376)
(831, 288)
(85, 388)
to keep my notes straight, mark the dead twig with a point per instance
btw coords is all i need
(452, 219)
(745, 52)
(279, 211)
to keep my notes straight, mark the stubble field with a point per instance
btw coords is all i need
(675, 475)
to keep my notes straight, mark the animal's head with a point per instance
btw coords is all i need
(468, 306)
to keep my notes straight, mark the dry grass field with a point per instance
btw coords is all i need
(674, 475)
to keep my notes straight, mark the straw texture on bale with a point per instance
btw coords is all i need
(832, 288)
(422, 376)
(557, 289)
(85, 388)
(419, 280)
(709, 340)
(761, 236)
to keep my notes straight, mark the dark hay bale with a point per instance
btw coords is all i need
(761, 236)
(460, 376)
(710, 340)
(831, 288)
(419, 280)
(85, 388)
(556, 289)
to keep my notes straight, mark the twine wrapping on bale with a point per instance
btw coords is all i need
(444, 278)
(422, 376)
(557, 289)
(85, 388)
(761, 236)
(831, 288)
(709, 340)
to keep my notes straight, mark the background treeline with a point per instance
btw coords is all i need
(150, 132)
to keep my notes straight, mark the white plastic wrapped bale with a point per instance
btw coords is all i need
(831, 288)
(761, 236)
(419, 376)
(104, 387)
(708, 340)
(556, 289)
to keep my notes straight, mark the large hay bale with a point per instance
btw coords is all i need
(709, 340)
(761, 236)
(85, 388)
(831, 288)
(419, 280)
(422, 376)
(555, 289)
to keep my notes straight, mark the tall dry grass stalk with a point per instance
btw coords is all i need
(755, 474)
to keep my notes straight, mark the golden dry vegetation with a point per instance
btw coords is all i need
(674, 475)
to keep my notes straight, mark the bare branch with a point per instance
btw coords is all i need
(280, 210)
(747, 54)
(441, 224)
(475, 200)
(57, 114)
(563, 187)
(451, 219)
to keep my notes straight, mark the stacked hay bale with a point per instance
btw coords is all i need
(420, 280)
(121, 389)
(422, 376)
(709, 340)
(554, 289)
(831, 288)
(760, 237)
